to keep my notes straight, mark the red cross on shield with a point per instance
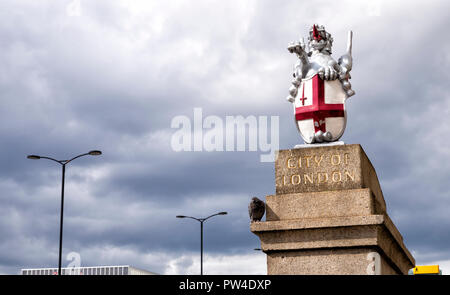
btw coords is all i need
(320, 105)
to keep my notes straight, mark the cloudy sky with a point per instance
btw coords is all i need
(111, 75)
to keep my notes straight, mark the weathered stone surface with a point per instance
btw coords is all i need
(354, 202)
(338, 261)
(329, 216)
(326, 168)
(372, 231)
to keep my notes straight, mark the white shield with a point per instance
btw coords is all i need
(320, 105)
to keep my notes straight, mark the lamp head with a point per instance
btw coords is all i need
(33, 157)
(95, 153)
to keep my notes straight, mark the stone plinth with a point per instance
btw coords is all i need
(329, 216)
(326, 168)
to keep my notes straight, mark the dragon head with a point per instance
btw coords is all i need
(319, 39)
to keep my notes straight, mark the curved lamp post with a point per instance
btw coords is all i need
(63, 163)
(201, 220)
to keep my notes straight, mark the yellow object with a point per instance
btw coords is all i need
(426, 269)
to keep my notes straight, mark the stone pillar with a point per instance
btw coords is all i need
(328, 216)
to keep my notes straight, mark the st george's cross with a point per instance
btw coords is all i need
(319, 106)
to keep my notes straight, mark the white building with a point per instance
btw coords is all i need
(90, 270)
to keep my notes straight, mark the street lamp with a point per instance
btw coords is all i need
(63, 164)
(201, 220)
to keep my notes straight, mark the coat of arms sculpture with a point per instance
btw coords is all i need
(320, 87)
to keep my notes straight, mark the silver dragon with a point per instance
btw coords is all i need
(315, 58)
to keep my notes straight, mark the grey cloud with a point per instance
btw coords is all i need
(98, 81)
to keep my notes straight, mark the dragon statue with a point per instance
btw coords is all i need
(326, 83)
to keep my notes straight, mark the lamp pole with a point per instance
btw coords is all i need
(63, 163)
(201, 220)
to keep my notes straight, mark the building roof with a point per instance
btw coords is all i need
(88, 270)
